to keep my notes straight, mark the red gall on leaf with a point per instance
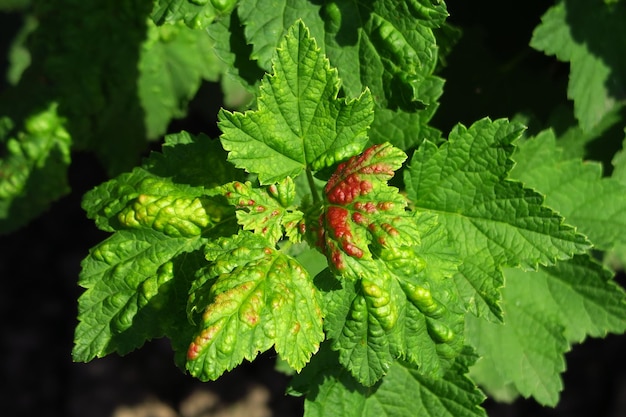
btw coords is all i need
(360, 208)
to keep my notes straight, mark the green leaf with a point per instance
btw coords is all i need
(300, 123)
(619, 165)
(172, 192)
(407, 130)
(128, 280)
(266, 211)
(526, 352)
(576, 189)
(231, 46)
(93, 78)
(19, 56)
(544, 310)
(384, 45)
(495, 222)
(197, 14)
(33, 167)
(569, 30)
(260, 298)
(173, 62)
(404, 392)
(396, 297)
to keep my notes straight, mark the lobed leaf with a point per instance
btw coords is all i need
(576, 189)
(545, 311)
(396, 297)
(493, 221)
(267, 211)
(384, 45)
(128, 279)
(569, 30)
(300, 124)
(260, 298)
(404, 392)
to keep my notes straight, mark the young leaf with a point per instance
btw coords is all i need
(266, 211)
(260, 298)
(494, 221)
(361, 210)
(33, 167)
(545, 310)
(300, 123)
(576, 189)
(404, 392)
(569, 30)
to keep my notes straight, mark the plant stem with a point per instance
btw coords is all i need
(309, 177)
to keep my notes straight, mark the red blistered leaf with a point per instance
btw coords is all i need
(361, 209)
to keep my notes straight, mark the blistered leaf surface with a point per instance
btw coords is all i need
(260, 298)
(384, 45)
(268, 211)
(197, 14)
(397, 299)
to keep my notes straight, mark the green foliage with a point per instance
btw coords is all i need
(569, 30)
(33, 167)
(480, 264)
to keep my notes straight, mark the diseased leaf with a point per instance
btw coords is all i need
(267, 211)
(397, 299)
(260, 298)
(404, 306)
(362, 212)
(127, 278)
(300, 124)
(163, 196)
(493, 221)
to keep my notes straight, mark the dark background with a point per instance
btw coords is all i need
(40, 263)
